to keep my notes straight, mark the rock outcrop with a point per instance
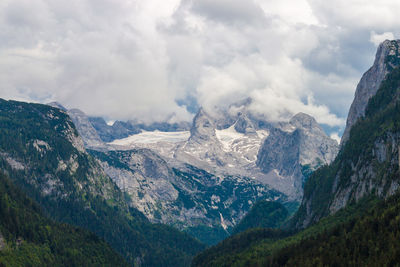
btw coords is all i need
(89, 135)
(368, 161)
(387, 57)
(293, 148)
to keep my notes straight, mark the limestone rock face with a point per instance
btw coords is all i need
(203, 128)
(184, 196)
(295, 146)
(387, 57)
(191, 178)
(244, 125)
(87, 132)
(368, 161)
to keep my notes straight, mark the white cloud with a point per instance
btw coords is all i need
(127, 59)
(335, 136)
(376, 39)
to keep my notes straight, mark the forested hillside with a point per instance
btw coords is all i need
(27, 238)
(42, 152)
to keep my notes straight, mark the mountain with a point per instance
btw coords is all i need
(369, 163)
(41, 151)
(121, 129)
(117, 130)
(293, 149)
(348, 215)
(186, 197)
(244, 125)
(28, 238)
(386, 59)
(237, 150)
(88, 133)
(169, 174)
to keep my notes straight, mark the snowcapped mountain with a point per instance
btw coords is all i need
(276, 156)
(210, 175)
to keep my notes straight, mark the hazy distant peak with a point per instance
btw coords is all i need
(56, 105)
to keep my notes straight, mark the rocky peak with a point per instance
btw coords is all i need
(296, 145)
(304, 121)
(244, 125)
(203, 128)
(387, 57)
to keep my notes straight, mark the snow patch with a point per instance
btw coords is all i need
(228, 136)
(147, 137)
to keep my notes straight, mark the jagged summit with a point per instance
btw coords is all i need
(293, 147)
(203, 128)
(387, 57)
(244, 125)
(368, 161)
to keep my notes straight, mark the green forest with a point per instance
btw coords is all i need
(33, 240)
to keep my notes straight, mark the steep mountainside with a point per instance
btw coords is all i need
(387, 57)
(349, 215)
(186, 197)
(159, 169)
(42, 152)
(27, 238)
(293, 149)
(367, 164)
(240, 149)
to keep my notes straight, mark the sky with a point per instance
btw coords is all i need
(158, 60)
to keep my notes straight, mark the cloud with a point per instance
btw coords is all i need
(155, 60)
(376, 39)
(335, 136)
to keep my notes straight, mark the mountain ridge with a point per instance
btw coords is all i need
(42, 152)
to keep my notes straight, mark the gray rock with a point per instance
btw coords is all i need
(203, 128)
(293, 146)
(89, 135)
(182, 196)
(370, 82)
(244, 125)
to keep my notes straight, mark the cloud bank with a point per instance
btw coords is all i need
(155, 60)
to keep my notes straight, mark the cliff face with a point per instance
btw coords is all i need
(187, 197)
(387, 57)
(294, 148)
(368, 162)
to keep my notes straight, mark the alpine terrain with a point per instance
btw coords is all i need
(205, 178)
(42, 153)
(349, 212)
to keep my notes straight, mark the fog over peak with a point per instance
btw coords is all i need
(158, 60)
